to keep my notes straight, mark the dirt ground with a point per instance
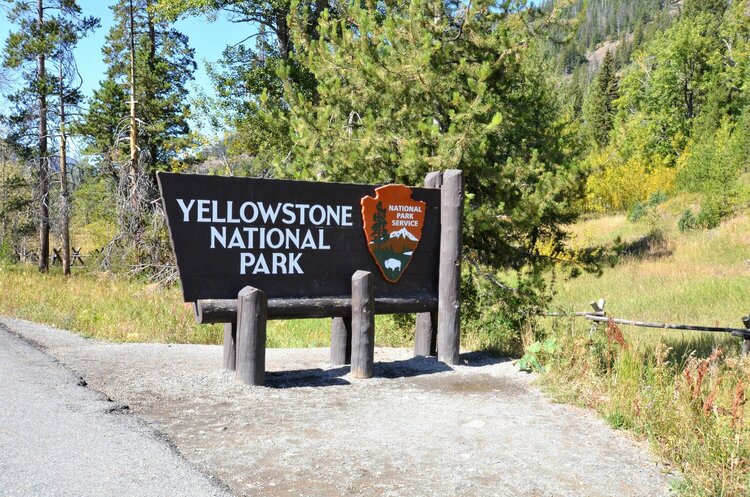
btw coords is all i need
(418, 428)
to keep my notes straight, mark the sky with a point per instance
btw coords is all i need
(207, 38)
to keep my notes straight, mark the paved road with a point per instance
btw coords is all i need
(59, 438)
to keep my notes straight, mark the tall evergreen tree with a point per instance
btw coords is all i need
(422, 85)
(605, 92)
(105, 127)
(248, 73)
(72, 27)
(16, 209)
(151, 62)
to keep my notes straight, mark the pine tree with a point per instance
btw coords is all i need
(45, 31)
(154, 62)
(693, 8)
(605, 92)
(16, 204)
(105, 127)
(248, 74)
(435, 86)
(71, 28)
(379, 232)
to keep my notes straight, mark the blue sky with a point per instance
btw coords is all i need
(207, 38)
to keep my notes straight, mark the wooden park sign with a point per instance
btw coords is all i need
(252, 249)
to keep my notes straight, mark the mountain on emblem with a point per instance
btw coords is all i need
(404, 233)
(393, 223)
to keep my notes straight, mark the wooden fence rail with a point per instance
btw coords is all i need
(600, 316)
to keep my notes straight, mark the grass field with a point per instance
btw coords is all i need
(108, 307)
(683, 391)
(699, 277)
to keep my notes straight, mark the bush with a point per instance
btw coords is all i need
(621, 187)
(657, 198)
(712, 163)
(495, 317)
(687, 221)
(710, 215)
(637, 212)
(7, 254)
(641, 209)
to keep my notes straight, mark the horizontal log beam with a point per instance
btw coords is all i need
(738, 332)
(225, 310)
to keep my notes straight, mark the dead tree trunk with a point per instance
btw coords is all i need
(43, 164)
(64, 195)
(133, 119)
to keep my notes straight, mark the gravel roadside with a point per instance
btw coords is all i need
(417, 429)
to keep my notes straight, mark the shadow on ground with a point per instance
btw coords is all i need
(407, 368)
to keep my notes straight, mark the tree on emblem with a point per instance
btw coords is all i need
(379, 233)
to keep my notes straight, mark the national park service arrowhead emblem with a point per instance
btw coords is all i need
(393, 224)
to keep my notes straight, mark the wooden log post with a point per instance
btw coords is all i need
(251, 336)
(363, 324)
(425, 338)
(56, 257)
(76, 256)
(341, 341)
(449, 282)
(746, 341)
(230, 346)
(598, 306)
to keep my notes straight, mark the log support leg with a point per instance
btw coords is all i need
(449, 282)
(363, 324)
(341, 341)
(251, 336)
(230, 346)
(425, 340)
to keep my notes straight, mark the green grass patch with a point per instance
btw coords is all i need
(114, 308)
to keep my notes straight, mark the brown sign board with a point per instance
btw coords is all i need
(298, 239)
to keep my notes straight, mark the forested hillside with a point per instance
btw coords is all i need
(660, 90)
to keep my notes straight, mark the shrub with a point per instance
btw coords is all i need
(637, 212)
(687, 221)
(710, 215)
(7, 254)
(656, 198)
(621, 187)
(712, 163)
(537, 356)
